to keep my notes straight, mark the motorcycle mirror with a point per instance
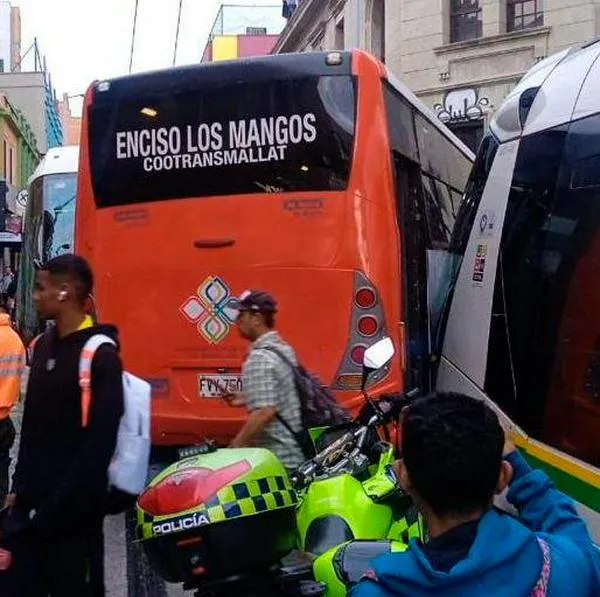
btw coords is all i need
(379, 355)
(376, 357)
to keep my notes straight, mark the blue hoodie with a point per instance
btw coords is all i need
(505, 559)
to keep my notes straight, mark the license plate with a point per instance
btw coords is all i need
(212, 386)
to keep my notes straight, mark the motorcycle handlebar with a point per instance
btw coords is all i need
(397, 402)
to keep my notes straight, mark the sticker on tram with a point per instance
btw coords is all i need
(479, 267)
(487, 223)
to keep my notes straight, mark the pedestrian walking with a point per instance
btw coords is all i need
(53, 533)
(11, 296)
(269, 390)
(12, 365)
(5, 282)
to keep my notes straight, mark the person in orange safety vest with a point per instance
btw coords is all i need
(12, 366)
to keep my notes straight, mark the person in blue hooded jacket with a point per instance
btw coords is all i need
(454, 460)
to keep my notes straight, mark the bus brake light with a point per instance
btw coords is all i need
(365, 298)
(357, 354)
(368, 325)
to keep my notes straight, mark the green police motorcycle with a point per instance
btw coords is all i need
(230, 522)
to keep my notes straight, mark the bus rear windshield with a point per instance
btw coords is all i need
(287, 135)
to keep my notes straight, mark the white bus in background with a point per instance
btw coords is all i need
(48, 227)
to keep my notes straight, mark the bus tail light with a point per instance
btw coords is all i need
(357, 353)
(365, 297)
(348, 382)
(366, 327)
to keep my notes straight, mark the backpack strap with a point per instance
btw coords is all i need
(31, 347)
(279, 354)
(297, 435)
(85, 372)
(541, 587)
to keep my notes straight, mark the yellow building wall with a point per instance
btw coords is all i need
(8, 141)
(225, 47)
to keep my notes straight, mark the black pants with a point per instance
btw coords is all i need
(71, 565)
(7, 438)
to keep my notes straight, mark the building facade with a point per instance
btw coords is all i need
(18, 158)
(243, 31)
(336, 25)
(71, 125)
(461, 57)
(18, 153)
(33, 93)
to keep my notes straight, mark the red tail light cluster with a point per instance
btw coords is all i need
(357, 353)
(368, 325)
(365, 298)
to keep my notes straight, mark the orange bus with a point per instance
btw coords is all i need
(315, 176)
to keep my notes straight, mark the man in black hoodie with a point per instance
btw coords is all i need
(58, 503)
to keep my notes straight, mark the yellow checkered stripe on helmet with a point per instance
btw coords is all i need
(234, 501)
(251, 497)
(407, 527)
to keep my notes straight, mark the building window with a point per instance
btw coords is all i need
(256, 31)
(378, 29)
(524, 14)
(470, 133)
(289, 7)
(465, 20)
(339, 35)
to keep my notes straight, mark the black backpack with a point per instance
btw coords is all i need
(318, 406)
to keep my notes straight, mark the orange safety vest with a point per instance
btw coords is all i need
(12, 366)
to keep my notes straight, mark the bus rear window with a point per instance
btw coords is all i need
(233, 138)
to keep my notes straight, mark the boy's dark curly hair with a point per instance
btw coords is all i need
(452, 448)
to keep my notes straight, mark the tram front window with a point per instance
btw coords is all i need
(544, 360)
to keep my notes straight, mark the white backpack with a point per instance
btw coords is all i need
(128, 467)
